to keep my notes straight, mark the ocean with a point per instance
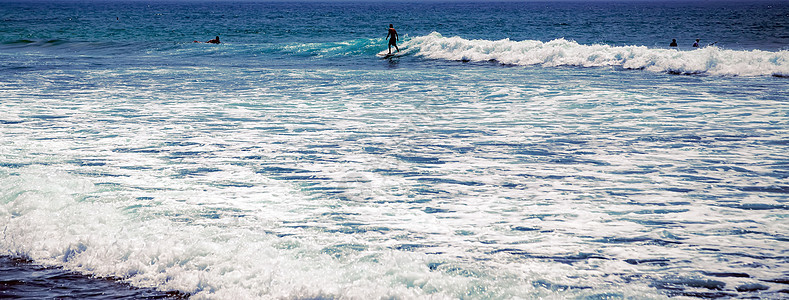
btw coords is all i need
(511, 150)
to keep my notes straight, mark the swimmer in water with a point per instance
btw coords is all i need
(214, 41)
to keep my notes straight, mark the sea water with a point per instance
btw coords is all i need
(516, 150)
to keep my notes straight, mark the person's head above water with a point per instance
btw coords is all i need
(214, 41)
(391, 26)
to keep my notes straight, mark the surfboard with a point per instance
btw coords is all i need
(386, 54)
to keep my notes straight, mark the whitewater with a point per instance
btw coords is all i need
(560, 52)
(576, 156)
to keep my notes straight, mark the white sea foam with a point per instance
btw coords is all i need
(560, 52)
(62, 220)
(300, 183)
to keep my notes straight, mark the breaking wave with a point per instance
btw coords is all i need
(560, 52)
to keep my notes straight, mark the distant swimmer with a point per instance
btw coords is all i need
(393, 37)
(696, 44)
(214, 41)
(673, 43)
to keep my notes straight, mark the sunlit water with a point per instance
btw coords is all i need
(297, 164)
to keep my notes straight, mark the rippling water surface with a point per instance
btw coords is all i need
(292, 164)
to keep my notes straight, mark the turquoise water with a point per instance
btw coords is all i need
(514, 150)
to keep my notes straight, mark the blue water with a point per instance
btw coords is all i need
(514, 150)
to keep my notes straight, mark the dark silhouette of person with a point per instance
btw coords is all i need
(696, 44)
(393, 37)
(673, 43)
(214, 41)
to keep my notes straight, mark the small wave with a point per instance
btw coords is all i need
(320, 50)
(710, 60)
(19, 42)
(335, 49)
(95, 47)
(39, 43)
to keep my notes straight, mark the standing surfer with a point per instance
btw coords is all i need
(393, 39)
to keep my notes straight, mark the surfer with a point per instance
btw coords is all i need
(673, 43)
(214, 41)
(696, 44)
(393, 39)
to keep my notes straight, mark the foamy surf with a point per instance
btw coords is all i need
(560, 52)
(60, 220)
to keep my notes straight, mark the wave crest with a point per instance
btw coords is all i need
(560, 52)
